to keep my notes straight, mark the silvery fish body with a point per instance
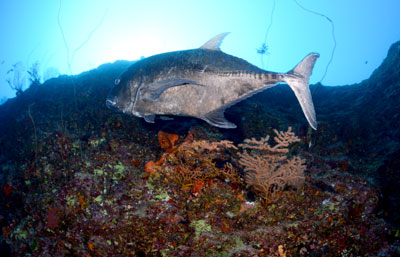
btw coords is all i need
(202, 83)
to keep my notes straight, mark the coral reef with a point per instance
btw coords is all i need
(94, 199)
(192, 163)
(269, 169)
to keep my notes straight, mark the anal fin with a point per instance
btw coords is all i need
(217, 119)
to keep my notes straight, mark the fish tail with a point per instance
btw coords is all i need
(297, 80)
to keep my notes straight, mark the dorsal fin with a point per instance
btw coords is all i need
(215, 42)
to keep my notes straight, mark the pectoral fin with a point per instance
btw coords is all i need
(153, 91)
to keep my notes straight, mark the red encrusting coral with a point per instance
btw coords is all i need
(167, 140)
(7, 189)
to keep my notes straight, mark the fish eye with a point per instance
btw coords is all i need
(117, 82)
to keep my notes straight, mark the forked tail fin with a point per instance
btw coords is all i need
(297, 79)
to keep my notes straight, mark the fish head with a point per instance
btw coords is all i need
(119, 98)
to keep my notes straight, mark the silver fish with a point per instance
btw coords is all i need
(202, 83)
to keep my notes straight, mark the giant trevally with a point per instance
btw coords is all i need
(202, 83)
